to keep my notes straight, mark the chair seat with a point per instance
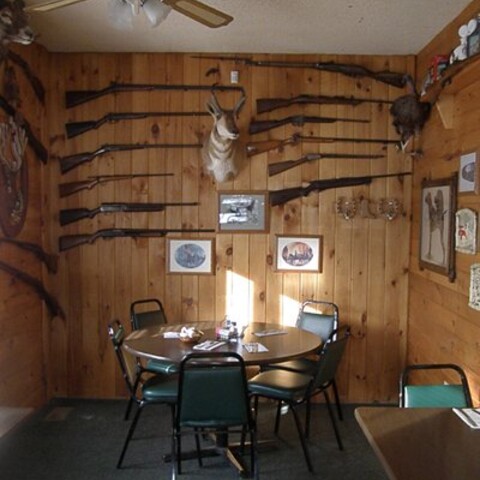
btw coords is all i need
(279, 384)
(161, 389)
(161, 366)
(424, 396)
(307, 366)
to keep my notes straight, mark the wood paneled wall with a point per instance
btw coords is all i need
(365, 261)
(22, 376)
(442, 328)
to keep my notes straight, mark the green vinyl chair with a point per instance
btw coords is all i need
(439, 395)
(295, 388)
(213, 399)
(321, 318)
(158, 389)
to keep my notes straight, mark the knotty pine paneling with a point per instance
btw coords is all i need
(441, 326)
(364, 260)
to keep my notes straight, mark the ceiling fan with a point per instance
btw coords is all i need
(121, 12)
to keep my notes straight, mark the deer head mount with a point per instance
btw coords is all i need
(14, 23)
(219, 148)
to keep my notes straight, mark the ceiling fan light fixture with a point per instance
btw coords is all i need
(54, 4)
(198, 11)
(119, 14)
(156, 11)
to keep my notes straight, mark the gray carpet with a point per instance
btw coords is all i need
(82, 439)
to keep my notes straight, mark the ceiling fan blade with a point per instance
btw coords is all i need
(200, 12)
(51, 5)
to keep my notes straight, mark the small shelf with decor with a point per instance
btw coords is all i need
(454, 78)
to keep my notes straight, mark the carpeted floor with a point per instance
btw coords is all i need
(81, 440)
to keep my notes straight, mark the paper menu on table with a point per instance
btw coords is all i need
(471, 416)
(208, 345)
(255, 347)
(267, 333)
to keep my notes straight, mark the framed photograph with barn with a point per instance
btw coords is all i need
(243, 212)
(190, 256)
(299, 253)
(437, 225)
(468, 174)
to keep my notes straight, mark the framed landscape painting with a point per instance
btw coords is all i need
(299, 254)
(190, 256)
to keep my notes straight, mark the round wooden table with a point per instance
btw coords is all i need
(151, 343)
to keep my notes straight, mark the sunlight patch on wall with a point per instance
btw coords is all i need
(239, 304)
(289, 310)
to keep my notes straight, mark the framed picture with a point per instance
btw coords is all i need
(468, 178)
(242, 212)
(466, 231)
(190, 256)
(299, 254)
(439, 199)
(474, 294)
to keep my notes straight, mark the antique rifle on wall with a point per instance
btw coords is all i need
(77, 97)
(279, 197)
(66, 189)
(350, 70)
(256, 148)
(259, 126)
(70, 241)
(72, 161)
(40, 151)
(34, 81)
(269, 104)
(71, 215)
(279, 167)
(77, 128)
(49, 260)
(52, 304)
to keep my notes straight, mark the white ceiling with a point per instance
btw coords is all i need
(389, 27)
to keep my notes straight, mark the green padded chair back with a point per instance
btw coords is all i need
(439, 395)
(319, 323)
(154, 315)
(331, 356)
(212, 391)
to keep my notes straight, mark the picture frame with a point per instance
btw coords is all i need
(468, 174)
(301, 253)
(437, 220)
(466, 231)
(474, 291)
(243, 211)
(190, 256)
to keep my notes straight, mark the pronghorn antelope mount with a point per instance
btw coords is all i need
(14, 24)
(220, 147)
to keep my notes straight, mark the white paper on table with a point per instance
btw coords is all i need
(255, 347)
(267, 333)
(208, 345)
(471, 416)
(171, 335)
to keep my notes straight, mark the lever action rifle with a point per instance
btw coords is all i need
(394, 79)
(71, 215)
(279, 197)
(296, 120)
(40, 151)
(35, 82)
(279, 167)
(70, 241)
(49, 260)
(52, 304)
(269, 104)
(77, 97)
(66, 189)
(72, 161)
(256, 148)
(77, 128)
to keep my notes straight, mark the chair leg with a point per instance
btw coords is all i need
(253, 453)
(174, 456)
(277, 417)
(129, 434)
(179, 452)
(129, 408)
(337, 400)
(307, 417)
(197, 445)
(332, 418)
(302, 439)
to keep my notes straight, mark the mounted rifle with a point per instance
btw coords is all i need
(52, 304)
(279, 167)
(77, 97)
(77, 128)
(350, 70)
(49, 260)
(66, 189)
(72, 161)
(279, 197)
(269, 104)
(70, 241)
(71, 215)
(298, 121)
(256, 148)
(34, 81)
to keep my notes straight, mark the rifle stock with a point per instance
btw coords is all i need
(72, 215)
(69, 188)
(279, 197)
(67, 242)
(50, 260)
(298, 121)
(72, 161)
